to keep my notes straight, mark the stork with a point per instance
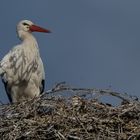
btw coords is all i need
(22, 69)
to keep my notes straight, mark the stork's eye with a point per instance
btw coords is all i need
(25, 24)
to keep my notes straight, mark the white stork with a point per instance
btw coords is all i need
(22, 70)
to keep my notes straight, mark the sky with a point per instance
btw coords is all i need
(93, 44)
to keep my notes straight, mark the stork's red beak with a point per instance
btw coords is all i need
(35, 28)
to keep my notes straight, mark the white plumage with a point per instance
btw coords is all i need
(22, 70)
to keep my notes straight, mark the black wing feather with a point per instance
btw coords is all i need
(7, 90)
(42, 87)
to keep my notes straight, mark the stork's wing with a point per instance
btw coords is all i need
(42, 86)
(11, 64)
(16, 66)
(7, 89)
(8, 66)
(41, 74)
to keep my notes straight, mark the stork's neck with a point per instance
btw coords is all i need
(27, 38)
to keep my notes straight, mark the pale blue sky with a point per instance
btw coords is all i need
(94, 43)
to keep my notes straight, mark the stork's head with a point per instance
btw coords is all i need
(26, 27)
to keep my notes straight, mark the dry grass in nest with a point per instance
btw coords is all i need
(71, 118)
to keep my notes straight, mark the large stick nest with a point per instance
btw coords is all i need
(77, 117)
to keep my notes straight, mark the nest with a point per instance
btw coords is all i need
(54, 117)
